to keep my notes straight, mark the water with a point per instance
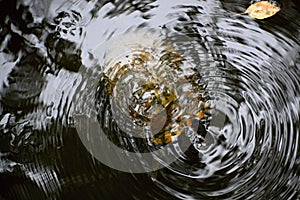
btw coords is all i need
(54, 53)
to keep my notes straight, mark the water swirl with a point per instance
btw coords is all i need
(254, 127)
(144, 73)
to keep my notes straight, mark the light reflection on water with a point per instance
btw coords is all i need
(250, 67)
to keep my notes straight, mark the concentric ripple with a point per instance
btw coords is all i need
(201, 102)
(255, 126)
(250, 72)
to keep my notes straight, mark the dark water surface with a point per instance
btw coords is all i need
(52, 56)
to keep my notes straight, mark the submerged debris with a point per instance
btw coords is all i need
(163, 93)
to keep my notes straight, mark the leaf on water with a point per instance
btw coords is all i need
(261, 10)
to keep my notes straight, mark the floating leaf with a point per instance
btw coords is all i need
(261, 10)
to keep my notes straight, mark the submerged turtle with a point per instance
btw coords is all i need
(156, 89)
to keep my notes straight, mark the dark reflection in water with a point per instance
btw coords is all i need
(251, 69)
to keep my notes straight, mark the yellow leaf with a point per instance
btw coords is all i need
(261, 10)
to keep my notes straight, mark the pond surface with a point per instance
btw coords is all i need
(151, 75)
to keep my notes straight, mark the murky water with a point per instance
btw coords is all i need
(188, 70)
